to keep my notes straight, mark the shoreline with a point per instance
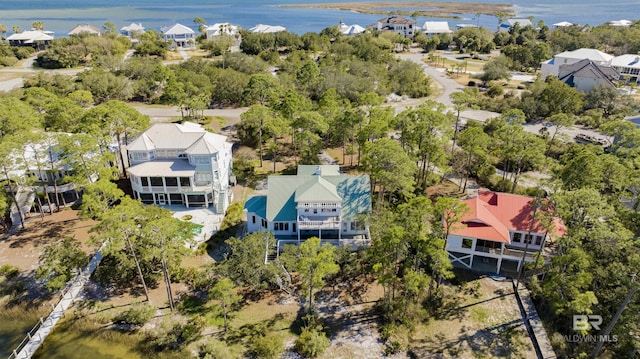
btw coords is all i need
(424, 9)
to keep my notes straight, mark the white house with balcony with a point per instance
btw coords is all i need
(628, 66)
(181, 164)
(497, 234)
(182, 36)
(397, 24)
(319, 201)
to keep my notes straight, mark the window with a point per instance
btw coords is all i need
(138, 156)
(201, 160)
(538, 240)
(145, 181)
(293, 227)
(517, 237)
(203, 177)
(156, 181)
(253, 219)
(467, 243)
(527, 238)
(171, 181)
(185, 182)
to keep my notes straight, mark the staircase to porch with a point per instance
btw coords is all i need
(221, 201)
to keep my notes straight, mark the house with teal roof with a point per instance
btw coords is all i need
(318, 201)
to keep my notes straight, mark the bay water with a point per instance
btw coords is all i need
(62, 15)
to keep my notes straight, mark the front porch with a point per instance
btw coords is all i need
(492, 264)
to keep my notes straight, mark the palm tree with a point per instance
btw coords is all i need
(16, 29)
(38, 25)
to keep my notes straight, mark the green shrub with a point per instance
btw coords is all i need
(268, 347)
(215, 350)
(495, 90)
(9, 271)
(137, 315)
(311, 343)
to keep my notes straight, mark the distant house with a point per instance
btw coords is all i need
(182, 36)
(317, 201)
(552, 67)
(267, 29)
(493, 236)
(398, 24)
(628, 66)
(563, 24)
(433, 28)
(621, 23)
(84, 29)
(351, 29)
(131, 29)
(506, 26)
(585, 74)
(181, 164)
(221, 29)
(34, 38)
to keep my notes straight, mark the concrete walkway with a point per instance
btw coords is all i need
(75, 286)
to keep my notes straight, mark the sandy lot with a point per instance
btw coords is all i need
(22, 250)
(479, 320)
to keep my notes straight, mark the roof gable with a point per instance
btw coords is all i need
(188, 136)
(353, 191)
(316, 190)
(583, 53)
(177, 29)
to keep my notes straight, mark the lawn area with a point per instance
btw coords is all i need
(480, 319)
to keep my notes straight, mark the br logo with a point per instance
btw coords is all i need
(583, 322)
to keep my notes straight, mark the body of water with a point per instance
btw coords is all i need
(62, 15)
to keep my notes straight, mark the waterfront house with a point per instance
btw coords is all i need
(132, 29)
(34, 38)
(585, 74)
(398, 24)
(349, 30)
(221, 29)
(499, 232)
(318, 201)
(181, 164)
(84, 29)
(506, 26)
(267, 29)
(182, 36)
(433, 28)
(552, 66)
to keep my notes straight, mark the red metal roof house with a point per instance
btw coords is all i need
(493, 235)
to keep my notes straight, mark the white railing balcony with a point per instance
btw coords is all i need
(318, 225)
(319, 205)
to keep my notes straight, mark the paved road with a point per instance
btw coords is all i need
(448, 85)
(169, 113)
